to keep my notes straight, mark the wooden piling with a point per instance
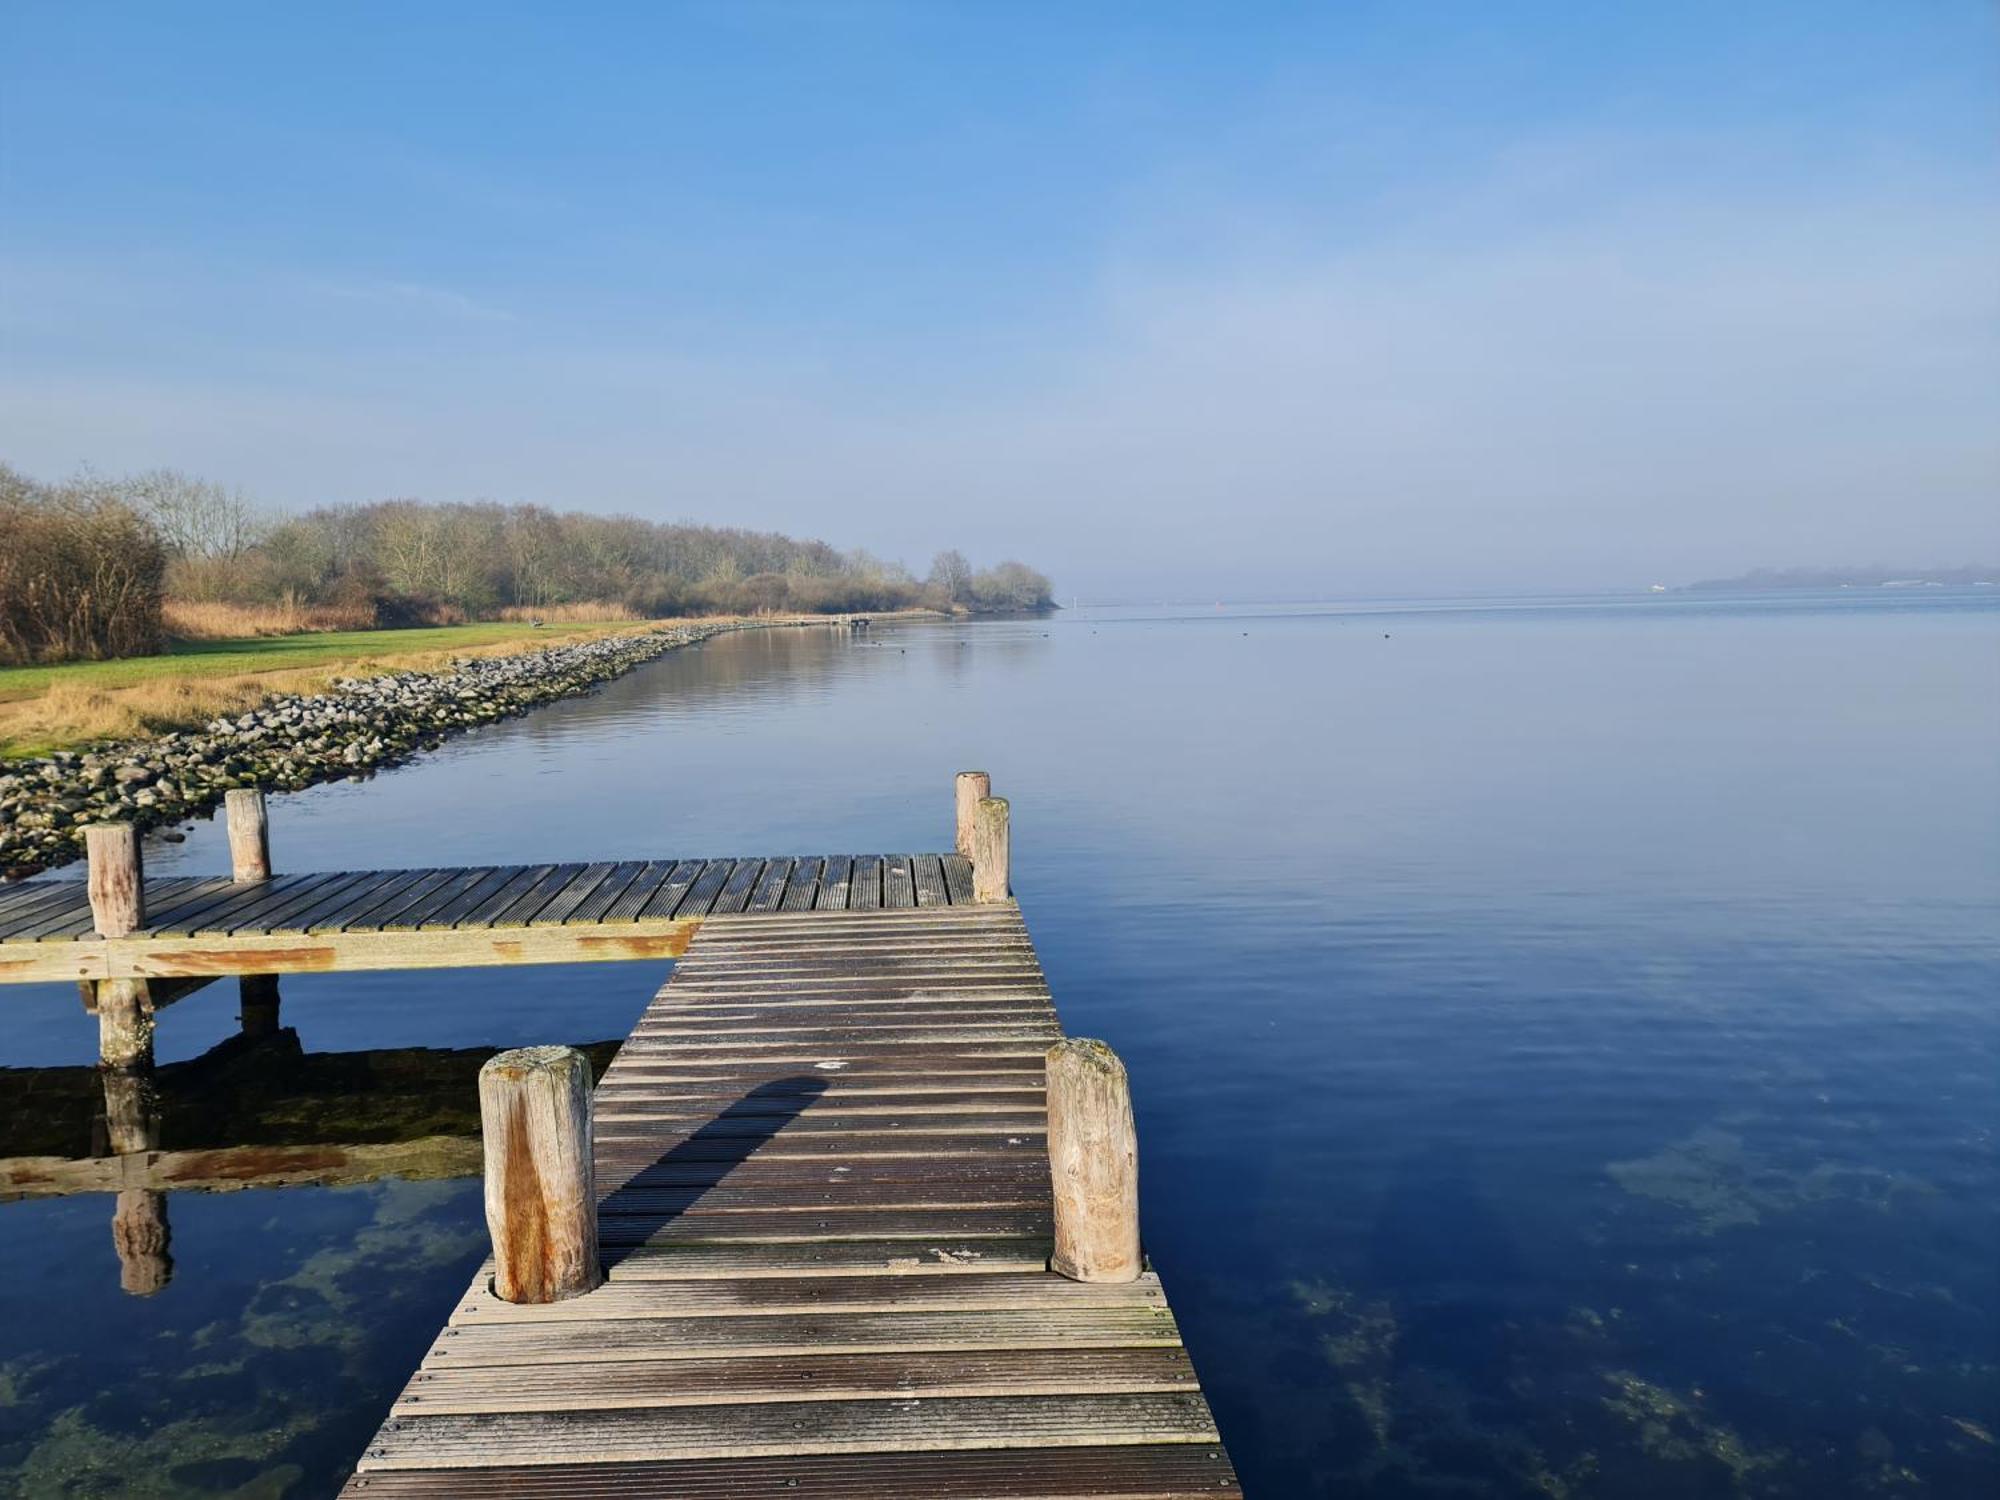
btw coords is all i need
(990, 851)
(541, 1199)
(257, 1010)
(968, 788)
(1093, 1163)
(117, 884)
(117, 892)
(249, 834)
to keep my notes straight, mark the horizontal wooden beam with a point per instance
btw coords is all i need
(225, 1169)
(144, 957)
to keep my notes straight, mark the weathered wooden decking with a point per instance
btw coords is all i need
(445, 918)
(825, 1200)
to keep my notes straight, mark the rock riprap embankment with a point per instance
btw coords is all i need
(294, 741)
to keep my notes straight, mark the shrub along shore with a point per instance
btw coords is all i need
(294, 740)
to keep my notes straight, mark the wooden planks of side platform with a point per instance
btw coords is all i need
(445, 918)
(825, 1207)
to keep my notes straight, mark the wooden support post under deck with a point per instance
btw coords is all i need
(118, 908)
(257, 1013)
(968, 788)
(249, 834)
(1093, 1163)
(250, 860)
(990, 852)
(541, 1197)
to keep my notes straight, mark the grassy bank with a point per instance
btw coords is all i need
(71, 704)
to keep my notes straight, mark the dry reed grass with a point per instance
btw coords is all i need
(583, 612)
(212, 620)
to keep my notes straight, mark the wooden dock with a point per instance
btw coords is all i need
(825, 1205)
(444, 918)
(846, 1216)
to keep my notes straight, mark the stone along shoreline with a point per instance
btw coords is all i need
(295, 740)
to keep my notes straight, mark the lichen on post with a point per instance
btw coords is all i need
(1093, 1163)
(249, 834)
(991, 851)
(541, 1199)
(968, 788)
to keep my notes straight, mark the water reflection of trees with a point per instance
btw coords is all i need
(256, 1111)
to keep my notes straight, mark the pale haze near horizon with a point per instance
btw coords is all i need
(1241, 303)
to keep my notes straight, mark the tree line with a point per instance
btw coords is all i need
(87, 564)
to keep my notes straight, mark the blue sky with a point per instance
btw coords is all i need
(1169, 299)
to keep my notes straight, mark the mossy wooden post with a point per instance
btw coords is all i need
(969, 788)
(250, 860)
(118, 908)
(541, 1199)
(249, 834)
(1093, 1163)
(990, 852)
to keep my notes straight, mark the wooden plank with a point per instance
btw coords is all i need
(293, 915)
(395, 913)
(1188, 1471)
(56, 920)
(634, 898)
(574, 894)
(444, 905)
(701, 896)
(802, 890)
(770, 888)
(674, 889)
(963, 1257)
(899, 889)
(927, 870)
(833, 883)
(777, 1228)
(595, 907)
(529, 900)
(565, 1341)
(249, 913)
(42, 898)
(331, 916)
(864, 892)
(958, 879)
(790, 1428)
(837, 1377)
(735, 893)
(482, 911)
(628, 1300)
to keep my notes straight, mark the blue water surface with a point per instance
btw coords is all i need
(1563, 1032)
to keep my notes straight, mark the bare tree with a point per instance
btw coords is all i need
(951, 574)
(196, 518)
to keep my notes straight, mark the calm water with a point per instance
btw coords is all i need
(1563, 1036)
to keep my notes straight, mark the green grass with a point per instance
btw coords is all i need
(275, 653)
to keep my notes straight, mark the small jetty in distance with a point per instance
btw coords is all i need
(847, 1214)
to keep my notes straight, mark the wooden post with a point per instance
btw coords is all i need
(541, 1198)
(249, 834)
(1093, 1163)
(257, 1012)
(969, 787)
(990, 853)
(118, 905)
(117, 883)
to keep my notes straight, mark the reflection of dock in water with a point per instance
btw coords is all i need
(256, 1111)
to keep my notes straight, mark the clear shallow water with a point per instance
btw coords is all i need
(1563, 1036)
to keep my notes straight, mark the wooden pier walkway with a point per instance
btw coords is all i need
(825, 1205)
(444, 918)
(847, 1217)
